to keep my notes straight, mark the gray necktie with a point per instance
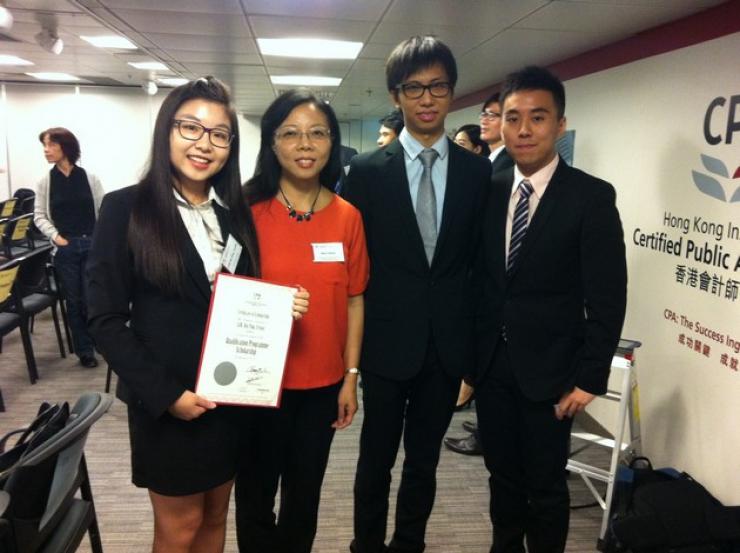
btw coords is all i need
(426, 204)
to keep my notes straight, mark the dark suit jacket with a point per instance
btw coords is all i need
(406, 299)
(503, 161)
(156, 355)
(346, 154)
(563, 306)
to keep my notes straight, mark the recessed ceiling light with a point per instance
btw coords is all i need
(305, 80)
(149, 65)
(172, 81)
(309, 48)
(6, 59)
(50, 76)
(110, 41)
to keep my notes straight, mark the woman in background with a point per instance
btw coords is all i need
(468, 136)
(66, 207)
(306, 234)
(156, 251)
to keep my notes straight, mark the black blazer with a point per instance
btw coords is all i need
(503, 161)
(563, 306)
(151, 340)
(406, 299)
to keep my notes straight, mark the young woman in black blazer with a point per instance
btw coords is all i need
(155, 253)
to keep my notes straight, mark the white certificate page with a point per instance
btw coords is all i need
(246, 342)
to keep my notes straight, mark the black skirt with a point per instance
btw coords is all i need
(174, 457)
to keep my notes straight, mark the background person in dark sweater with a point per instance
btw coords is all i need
(67, 202)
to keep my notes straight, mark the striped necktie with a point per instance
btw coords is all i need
(519, 224)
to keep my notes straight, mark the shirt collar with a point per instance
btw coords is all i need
(495, 153)
(538, 180)
(58, 170)
(212, 197)
(412, 147)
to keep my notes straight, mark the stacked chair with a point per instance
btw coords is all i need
(40, 478)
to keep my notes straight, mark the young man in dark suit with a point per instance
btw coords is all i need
(420, 198)
(490, 132)
(552, 278)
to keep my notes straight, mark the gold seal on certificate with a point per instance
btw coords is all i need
(246, 342)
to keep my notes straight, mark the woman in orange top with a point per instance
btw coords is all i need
(306, 235)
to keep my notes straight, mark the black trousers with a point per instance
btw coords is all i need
(525, 448)
(289, 446)
(421, 409)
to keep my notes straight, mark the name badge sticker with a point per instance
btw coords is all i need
(231, 255)
(327, 252)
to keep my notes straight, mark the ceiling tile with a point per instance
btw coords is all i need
(304, 27)
(365, 10)
(182, 6)
(185, 23)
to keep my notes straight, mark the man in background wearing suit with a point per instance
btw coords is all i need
(420, 198)
(552, 278)
(490, 133)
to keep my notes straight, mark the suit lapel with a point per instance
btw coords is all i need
(454, 194)
(194, 266)
(499, 202)
(224, 221)
(400, 196)
(545, 208)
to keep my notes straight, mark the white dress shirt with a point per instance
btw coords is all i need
(539, 182)
(205, 232)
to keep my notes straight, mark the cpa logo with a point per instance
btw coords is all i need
(720, 184)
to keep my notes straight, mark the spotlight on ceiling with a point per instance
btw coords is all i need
(150, 87)
(6, 19)
(49, 41)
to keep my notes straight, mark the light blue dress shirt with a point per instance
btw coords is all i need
(414, 168)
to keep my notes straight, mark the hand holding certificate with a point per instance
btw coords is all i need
(246, 342)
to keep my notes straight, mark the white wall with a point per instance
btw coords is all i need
(114, 127)
(639, 126)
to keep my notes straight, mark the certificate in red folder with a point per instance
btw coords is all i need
(246, 342)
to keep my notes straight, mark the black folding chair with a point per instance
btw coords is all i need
(7, 207)
(16, 236)
(37, 293)
(12, 315)
(61, 520)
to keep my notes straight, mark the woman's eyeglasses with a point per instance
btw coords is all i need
(190, 130)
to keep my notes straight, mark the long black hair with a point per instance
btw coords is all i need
(473, 134)
(266, 179)
(155, 231)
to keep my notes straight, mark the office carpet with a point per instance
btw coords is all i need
(459, 522)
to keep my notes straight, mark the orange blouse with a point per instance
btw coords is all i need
(316, 353)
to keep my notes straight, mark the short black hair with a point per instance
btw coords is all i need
(67, 141)
(394, 121)
(533, 77)
(494, 98)
(415, 54)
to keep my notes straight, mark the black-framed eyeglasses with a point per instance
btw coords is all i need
(292, 135)
(489, 115)
(414, 91)
(190, 130)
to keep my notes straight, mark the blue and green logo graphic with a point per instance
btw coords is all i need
(720, 125)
